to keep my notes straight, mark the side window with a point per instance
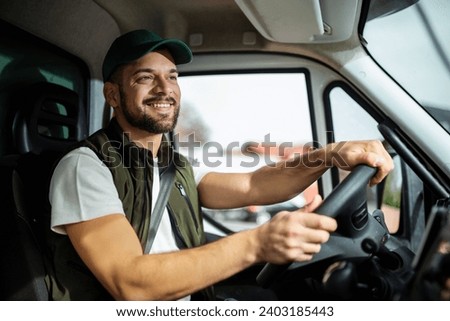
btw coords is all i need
(26, 60)
(239, 122)
(351, 122)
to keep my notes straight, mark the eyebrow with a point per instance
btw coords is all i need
(150, 70)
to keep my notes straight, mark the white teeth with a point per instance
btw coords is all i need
(161, 105)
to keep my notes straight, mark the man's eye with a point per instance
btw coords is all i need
(144, 78)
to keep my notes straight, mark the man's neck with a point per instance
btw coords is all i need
(142, 138)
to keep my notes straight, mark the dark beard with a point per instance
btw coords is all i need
(146, 122)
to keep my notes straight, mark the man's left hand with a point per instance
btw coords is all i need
(347, 155)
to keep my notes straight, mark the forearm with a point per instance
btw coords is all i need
(174, 275)
(273, 184)
(267, 185)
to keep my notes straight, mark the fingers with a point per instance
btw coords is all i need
(306, 234)
(384, 167)
(295, 236)
(311, 206)
(304, 254)
(317, 221)
(382, 161)
(371, 153)
(375, 155)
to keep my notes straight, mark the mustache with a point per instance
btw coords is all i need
(153, 100)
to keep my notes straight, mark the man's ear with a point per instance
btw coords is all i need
(111, 93)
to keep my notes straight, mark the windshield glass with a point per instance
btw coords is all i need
(412, 45)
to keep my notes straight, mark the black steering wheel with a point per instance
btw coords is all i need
(360, 235)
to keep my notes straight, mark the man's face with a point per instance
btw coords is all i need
(149, 93)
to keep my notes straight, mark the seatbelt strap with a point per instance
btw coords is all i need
(166, 182)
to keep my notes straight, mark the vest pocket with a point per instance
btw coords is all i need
(188, 201)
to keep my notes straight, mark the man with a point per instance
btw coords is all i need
(103, 194)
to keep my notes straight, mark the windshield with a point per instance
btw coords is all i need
(412, 45)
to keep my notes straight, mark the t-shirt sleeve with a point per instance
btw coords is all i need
(81, 189)
(199, 173)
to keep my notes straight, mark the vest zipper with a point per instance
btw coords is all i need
(146, 197)
(188, 201)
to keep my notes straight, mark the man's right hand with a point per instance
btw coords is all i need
(294, 236)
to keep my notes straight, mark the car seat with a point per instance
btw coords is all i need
(48, 119)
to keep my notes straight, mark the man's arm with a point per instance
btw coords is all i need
(273, 184)
(110, 248)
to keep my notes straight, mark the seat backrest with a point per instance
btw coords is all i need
(48, 120)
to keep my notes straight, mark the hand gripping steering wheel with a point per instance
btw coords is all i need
(359, 235)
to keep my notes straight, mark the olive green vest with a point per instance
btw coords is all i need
(132, 172)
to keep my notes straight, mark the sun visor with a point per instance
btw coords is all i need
(301, 21)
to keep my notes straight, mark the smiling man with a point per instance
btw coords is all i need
(105, 194)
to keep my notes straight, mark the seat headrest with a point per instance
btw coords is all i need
(50, 117)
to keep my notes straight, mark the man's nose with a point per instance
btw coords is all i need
(162, 87)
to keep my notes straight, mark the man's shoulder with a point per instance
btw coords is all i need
(80, 153)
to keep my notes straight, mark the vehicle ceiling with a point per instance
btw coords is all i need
(87, 27)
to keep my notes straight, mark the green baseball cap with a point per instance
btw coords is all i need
(135, 44)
